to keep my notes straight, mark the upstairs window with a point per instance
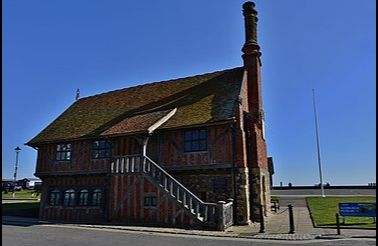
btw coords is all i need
(63, 152)
(96, 197)
(101, 149)
(69, 198)
(195, 140)
(54, 198)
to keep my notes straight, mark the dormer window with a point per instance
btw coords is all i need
(101, 149)
(63, 152)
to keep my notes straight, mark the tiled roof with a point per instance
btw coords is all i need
(200, 99)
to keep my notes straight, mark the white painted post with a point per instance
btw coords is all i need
(220, 212)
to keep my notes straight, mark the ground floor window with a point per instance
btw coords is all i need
(54, 197)
(83, 197)
(69, 198)
(150, 201)
(96, 197)
(72, 197)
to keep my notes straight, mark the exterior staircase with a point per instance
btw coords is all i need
(212, 215)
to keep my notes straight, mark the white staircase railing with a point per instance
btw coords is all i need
(209, 213)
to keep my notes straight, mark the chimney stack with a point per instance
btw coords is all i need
(250, 23)
(252, 63)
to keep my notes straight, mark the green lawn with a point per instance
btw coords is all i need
(20, 205)
(323, 210)
(23, 194)
(274, 198)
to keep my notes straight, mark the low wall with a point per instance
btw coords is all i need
(325, 187)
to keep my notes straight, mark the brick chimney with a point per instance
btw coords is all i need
(252, 63)
(259, 177)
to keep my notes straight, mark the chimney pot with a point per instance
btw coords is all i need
(249, 5)
(250, 24)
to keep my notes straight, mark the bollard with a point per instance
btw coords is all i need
(291, 219)
(338, 224)
(262, 226)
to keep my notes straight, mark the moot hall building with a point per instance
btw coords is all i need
(187, 152)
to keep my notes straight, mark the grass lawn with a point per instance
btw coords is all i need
(20, 205)
(23, 194)
(274, 198)
(323, 210)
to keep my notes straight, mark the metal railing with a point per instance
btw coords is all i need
(214, 214)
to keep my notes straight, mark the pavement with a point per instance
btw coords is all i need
(276, 226)
(63, 235)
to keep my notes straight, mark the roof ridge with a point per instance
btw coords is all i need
(157, 82)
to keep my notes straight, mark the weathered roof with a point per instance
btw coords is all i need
(200, 99)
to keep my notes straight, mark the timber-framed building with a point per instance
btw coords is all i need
(184, 152)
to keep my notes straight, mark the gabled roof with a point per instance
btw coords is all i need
(201, 99)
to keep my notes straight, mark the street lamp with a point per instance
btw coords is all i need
(17, 149)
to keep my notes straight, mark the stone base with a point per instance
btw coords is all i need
(242, 197)
(260, 190)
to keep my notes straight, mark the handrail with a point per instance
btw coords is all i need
(214, 214)
(178, 183)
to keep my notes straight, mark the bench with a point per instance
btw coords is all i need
(275, 205)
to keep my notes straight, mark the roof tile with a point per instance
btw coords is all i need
(199, 99)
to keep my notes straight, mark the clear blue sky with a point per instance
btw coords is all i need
(50, 48)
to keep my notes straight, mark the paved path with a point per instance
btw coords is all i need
(278, 223)
(63, 235)
(276, 228)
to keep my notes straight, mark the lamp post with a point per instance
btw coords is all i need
(318, 145)
(17, 149)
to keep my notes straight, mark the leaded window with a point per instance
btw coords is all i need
(54, 197)
(195, 140)
(150, 201)
(63, 152)
(96, 197)
(101, 149)
(83, 197)
(69, 198)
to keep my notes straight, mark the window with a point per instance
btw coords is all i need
(69, 197)
(83, 197)
(54, 198)
(101, 149)
(195, 140)
(150, 201)
(96, 197)
(63, 152)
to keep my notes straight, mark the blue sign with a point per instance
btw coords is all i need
(358, 209)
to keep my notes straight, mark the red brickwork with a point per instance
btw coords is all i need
(127, 194)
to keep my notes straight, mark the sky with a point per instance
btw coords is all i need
(51, 48)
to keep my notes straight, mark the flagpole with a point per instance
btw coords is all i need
(318, 144)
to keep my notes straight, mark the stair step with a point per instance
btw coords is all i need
(166, 183)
